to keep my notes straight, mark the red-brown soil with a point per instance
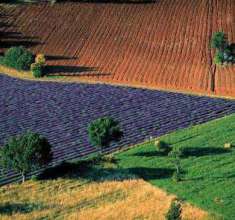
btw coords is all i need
(163, 45)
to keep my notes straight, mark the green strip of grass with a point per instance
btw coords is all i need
(209, 179)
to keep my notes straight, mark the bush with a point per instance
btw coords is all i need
(18, 58)
(103, 131)
(162, 146)
(26, 153)
(174, 212)
(36, 70)
(40, 59)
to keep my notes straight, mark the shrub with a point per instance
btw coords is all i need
(40, 59)
(36, 70)
(174, 212)
(103, 131)
(219, 41)
(26, 153)
(162, 146)
(18, 58)
(228, 145)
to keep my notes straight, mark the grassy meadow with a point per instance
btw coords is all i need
(209, 169)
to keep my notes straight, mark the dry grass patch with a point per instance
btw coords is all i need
(78, 199)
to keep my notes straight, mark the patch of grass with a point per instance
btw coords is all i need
(209, 169)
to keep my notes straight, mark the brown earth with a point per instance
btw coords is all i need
(162, 45)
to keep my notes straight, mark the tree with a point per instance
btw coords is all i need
(219, 41)
(18, 58)
(25, 153)
(103, 131)
(175, 155)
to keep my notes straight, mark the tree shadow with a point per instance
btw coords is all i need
(23, 41)
(12, 208)
(113, 1)
(96, 171)
(9, 38)
(58, 57)
(232, 48)
(65, 169)
(152, 153)
(61, 70)
(203, 151)
(152, 173)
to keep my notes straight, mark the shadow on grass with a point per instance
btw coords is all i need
(203, 151)
(152, 153)
(100, 172)
(72, 71)
(12, 208)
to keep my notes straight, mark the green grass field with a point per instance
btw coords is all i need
(209, 178)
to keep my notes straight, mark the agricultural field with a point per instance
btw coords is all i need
(62, 112)
(117, 187)
(146, 45)
(117, 109)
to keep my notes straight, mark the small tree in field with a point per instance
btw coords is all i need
(103, 131)
(224, 52)
(219, 41)
(26, 153)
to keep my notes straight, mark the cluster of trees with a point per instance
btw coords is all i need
(31, 151)
(224, 50)
(18, 58)
(21, 59)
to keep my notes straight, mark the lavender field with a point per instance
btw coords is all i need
(61, 112)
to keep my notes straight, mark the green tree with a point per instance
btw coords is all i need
(25, 153)
(18, 58)
(103, 131)
(219, 41)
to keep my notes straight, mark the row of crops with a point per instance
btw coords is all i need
(62, 111)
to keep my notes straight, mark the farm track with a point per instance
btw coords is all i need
(161, 45)
(62, 112)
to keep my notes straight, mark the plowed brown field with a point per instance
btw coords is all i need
(159, 45)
